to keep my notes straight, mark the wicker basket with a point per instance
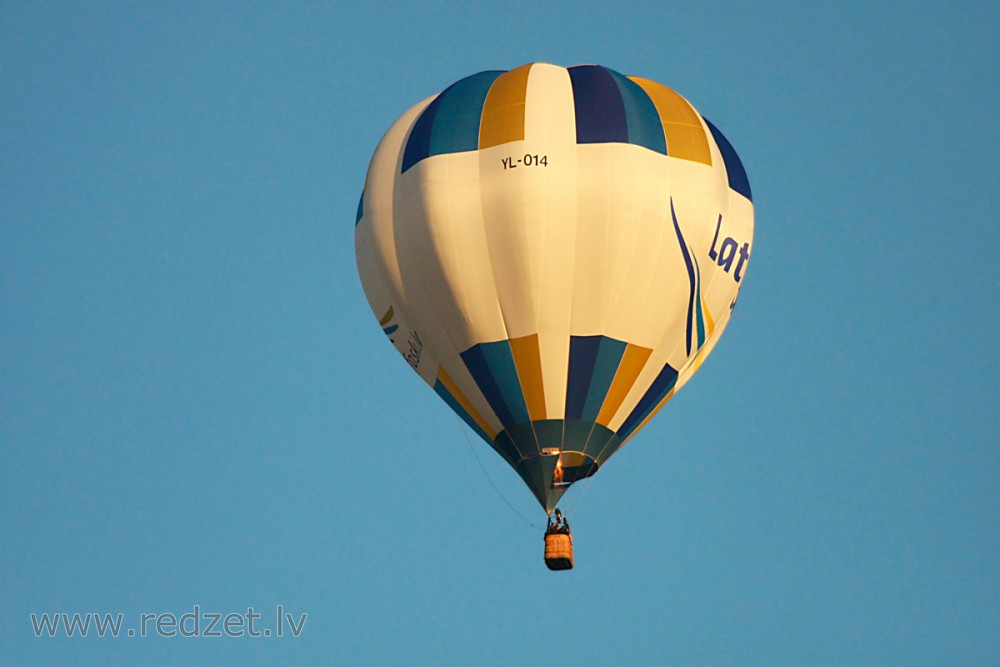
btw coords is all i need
(559, 551)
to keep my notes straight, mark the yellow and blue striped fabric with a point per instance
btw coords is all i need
(487, 109)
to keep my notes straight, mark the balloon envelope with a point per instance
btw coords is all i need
(555, 251)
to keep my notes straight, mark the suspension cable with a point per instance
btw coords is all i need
(472, 449)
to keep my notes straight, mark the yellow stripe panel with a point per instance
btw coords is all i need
(385, 318)
(528, 361)
(698, 360)
(710, 323)
(681, 126)
(648, 417)
(503, 111)
(453, 389)
(628, 370)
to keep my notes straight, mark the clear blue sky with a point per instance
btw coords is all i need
(197, 406)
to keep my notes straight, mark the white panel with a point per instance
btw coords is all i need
(446, 248)
(375, 245)
(466, 290)
(422, 291)
(513, 243)
(595, 170)
(550, 130)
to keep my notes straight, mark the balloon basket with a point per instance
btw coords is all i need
(559, 551)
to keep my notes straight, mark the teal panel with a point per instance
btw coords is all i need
(644, 125)
(537, 474)
(609, 355)
(549, 432)
(576, 433)
(507, 449)
(602, 444)
(456, 123)
(500, 360)
(523, 437)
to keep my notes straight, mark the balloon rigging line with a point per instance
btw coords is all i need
(577, 501)
(461, 426)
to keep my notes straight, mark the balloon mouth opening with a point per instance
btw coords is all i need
(551, 455)
(549, 476)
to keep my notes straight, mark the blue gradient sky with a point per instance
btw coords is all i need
(197, 406)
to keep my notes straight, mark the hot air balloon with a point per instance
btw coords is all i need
(555, 251)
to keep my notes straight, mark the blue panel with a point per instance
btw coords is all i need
(644, 125)
(609, 355)
(456, 125)
(734, 167)
(600, 113)
(480, 370)
(418, 144)
(500, 359)
(450, 123)
(582, 357)
(443, 392)
(361, 208)
(663, 383)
